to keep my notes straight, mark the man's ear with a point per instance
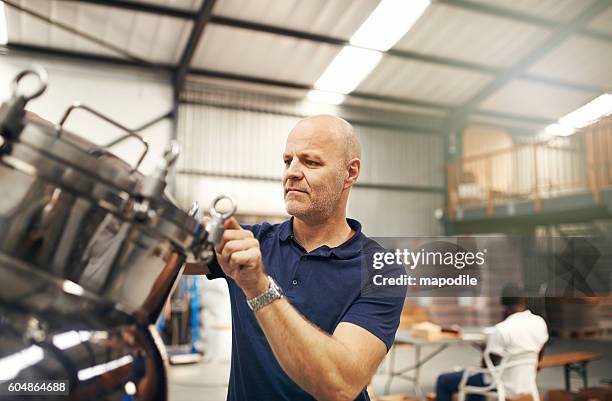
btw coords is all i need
(353, 169)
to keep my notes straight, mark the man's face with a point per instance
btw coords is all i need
(314, 171)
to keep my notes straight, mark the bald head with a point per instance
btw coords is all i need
(322, 163)
(338, 131)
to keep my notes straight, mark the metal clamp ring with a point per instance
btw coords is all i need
(213, 207)
(40, 73)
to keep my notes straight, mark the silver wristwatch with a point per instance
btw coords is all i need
(273, 293)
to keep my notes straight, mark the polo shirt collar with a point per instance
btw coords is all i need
(286, 229)
(344, 251)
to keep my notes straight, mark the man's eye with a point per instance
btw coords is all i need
(287, 162)
(312, 163)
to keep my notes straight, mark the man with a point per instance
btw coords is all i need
(324, 338)
(520, 331)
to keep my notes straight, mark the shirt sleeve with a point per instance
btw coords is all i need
(495, 342)
(378, 308)
(379, 316)
(215, 269)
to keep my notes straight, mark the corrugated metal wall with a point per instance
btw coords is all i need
(395, 157)
(233, 143)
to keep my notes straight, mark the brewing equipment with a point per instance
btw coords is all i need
(90, 249)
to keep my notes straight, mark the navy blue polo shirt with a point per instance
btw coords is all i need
(324, 285)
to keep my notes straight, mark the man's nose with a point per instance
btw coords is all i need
(294, 170)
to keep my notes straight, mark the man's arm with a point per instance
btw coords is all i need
(330, 368)
(541, 355)
(495, 346)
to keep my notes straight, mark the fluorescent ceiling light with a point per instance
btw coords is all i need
(3, 26)
(11, 365)
(319, 96)
(559, 130)
(589, 113)
(348, 69)
(72, 288)
(389, 21)
(70, 338)
(98, 370)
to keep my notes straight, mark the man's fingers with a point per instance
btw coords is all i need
(238, 245)
(231, 235)
(247, 257)
(232, 224)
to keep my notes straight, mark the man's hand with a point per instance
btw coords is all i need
(240, 258)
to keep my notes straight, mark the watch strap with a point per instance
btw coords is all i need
(267, 297)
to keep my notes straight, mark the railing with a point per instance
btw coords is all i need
(534, 171)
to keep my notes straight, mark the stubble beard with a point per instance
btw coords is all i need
(320, 207)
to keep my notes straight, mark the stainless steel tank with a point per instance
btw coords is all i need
(90, 250)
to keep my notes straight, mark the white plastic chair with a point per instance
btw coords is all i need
(527, 360)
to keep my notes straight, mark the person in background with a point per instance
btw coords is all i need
(520, 331)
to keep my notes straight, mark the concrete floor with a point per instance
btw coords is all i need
(208, 381)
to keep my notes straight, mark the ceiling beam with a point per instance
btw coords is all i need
(513, 117)
(497, 11)
(294, 85)
(276, 30)
(404, 54)
(606, 37)
(149, 8)
(455, 63)
(501, 12)
(561, 84)
(511, 129)
(33, 50)
(528, 60)
(68, 28)
(442, 61)
(402, 101)
(444, 107)
(203, 17)
(408, 126)
(248, 79)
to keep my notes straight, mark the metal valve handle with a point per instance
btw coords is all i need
(171, 154)
(213, 207)
(213, 232)
(129, 132)
(12, 112)
(216, 225)
(40, 73)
